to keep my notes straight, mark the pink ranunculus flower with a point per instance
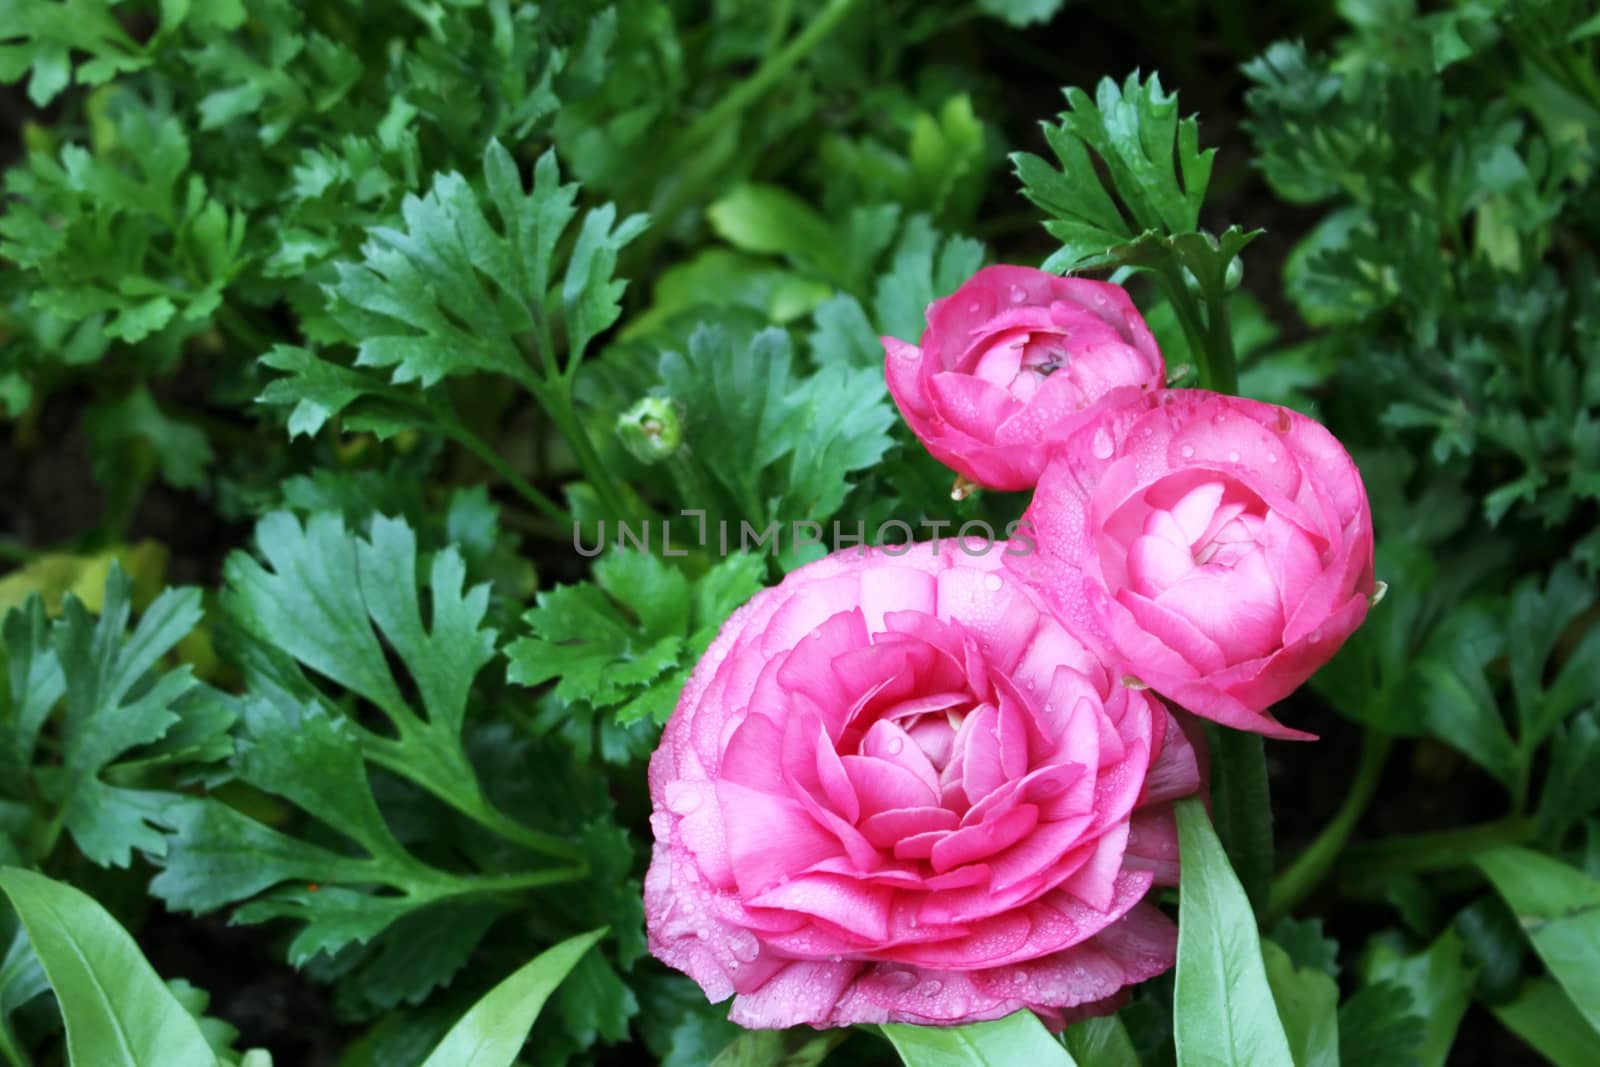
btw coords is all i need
(1015, 360)
(896, 789)
(1217, 549)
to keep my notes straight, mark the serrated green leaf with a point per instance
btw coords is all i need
(1439, 986)
(1378, 1026)
(117, 1010)
(1308, 1008)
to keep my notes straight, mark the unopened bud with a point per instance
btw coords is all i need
(650, 430)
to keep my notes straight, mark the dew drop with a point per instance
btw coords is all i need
(1233, 456)
(896, 745)
(1101, 444)
(1272, 457)
(1049, 709)
(745, 947)
(1218, 419)
(1187, 451)
(684, 802)
(1148, 431)
(702, 933)
(1315, 636)
(908, 351)
(931, 987)
(992, 583)
(899, 979)
(974, 307)
(1017, 295)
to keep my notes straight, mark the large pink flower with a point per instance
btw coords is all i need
(1217, 549)
(897, 789)
(1013, 361)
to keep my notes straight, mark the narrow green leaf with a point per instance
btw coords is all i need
(1545, 1017)
(1017, 1039)
(1219, 1010)
(493, 1031)
(1102, 1042)
(1559, 907)
(117, 1010)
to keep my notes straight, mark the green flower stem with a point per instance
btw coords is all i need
(557, 399)
(1241, 808)
(1309, 868)
(1441, 851)
(480, 448)
(1224, 363)
(764, 78)
(461, 792)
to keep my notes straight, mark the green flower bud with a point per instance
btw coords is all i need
(650, 430)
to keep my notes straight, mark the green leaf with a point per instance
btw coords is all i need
(1545, 1017)
(125, 232)
(1021, 12)
(781, 445)
(493, 1031)
(116, 702)
(117, 1010)
(1559, 907)
(21, 979)
(800, 1047)
(1222, 988)
(1156, 167)
(926, 265)
(1379, 1028)
(1101, 1042)
(1308, 1008)
(627, 641)
(769, 220)
(1439, 985)
(1018, 1038)
(448, 294)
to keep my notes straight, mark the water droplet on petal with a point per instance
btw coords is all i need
(1233, 456)
(1101, 444)
(931, 987)
(974, 307)
(992, 583)
(684, 802)
(899, 979)
(896, 745)
(745, 947)
(1315, 636)
(1272, 457)
(1187, 451)
(1017, 295)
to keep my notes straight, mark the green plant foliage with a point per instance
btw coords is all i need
(117, 1010)
(1015, 1039)
(373, 476)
